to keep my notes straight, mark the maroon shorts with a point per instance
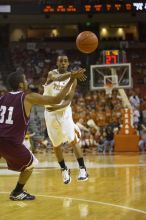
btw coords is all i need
(17, 156)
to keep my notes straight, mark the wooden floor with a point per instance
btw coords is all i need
(116, 190)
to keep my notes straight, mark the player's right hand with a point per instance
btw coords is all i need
(79, 74)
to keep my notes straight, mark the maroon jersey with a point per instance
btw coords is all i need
(13, 120)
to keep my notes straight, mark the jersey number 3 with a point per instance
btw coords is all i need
(3, 111)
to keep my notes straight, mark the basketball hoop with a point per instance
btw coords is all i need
(108, 88)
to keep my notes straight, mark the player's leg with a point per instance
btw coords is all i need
(20, 159)
(55, 129)
(18, 193)
(73, 136)
(26, 170)
(61, 129)
(83, 175)
(65, 171)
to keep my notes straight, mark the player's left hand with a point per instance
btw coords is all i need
(79, 74)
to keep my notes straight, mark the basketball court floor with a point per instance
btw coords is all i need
(116, 190)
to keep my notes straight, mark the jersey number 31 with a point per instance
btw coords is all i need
(6, 112)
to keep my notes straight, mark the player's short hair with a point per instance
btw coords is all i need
(14, 79)
(62, 55)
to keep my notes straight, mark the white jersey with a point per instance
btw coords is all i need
(54, 88)
(60, 125)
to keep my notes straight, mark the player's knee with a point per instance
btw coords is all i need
(30, 168)
(74, 142)
(32, 165)
(56, 146)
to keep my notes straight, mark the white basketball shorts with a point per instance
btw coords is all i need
(61, 127)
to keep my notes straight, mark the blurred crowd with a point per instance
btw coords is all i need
(98, 115)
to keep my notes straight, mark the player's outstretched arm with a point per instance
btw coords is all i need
(79, 74)
(71, 93)
(67, 100)
(37, 99)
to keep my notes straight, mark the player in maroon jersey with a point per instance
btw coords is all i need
(15, 108)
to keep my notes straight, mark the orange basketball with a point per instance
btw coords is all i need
(87, 42)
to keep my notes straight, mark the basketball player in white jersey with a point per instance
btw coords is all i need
(60, 125)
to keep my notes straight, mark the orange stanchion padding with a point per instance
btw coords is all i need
(126, 143)
(127, 129)
(127, 139)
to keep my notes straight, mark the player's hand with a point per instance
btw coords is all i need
(79, 74)
(60, 106)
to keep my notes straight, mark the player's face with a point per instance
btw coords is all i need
(62, 63)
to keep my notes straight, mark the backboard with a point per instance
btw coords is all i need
(118, 74)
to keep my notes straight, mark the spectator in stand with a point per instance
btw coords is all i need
(143, 109)
(142, 142)
(116, 114)
(108, 114)
(115, 99)
(134, 100)
(109, 139)
(100, 144)
(82, 125)
(136, 117)
(100, 118)
(88, 143)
